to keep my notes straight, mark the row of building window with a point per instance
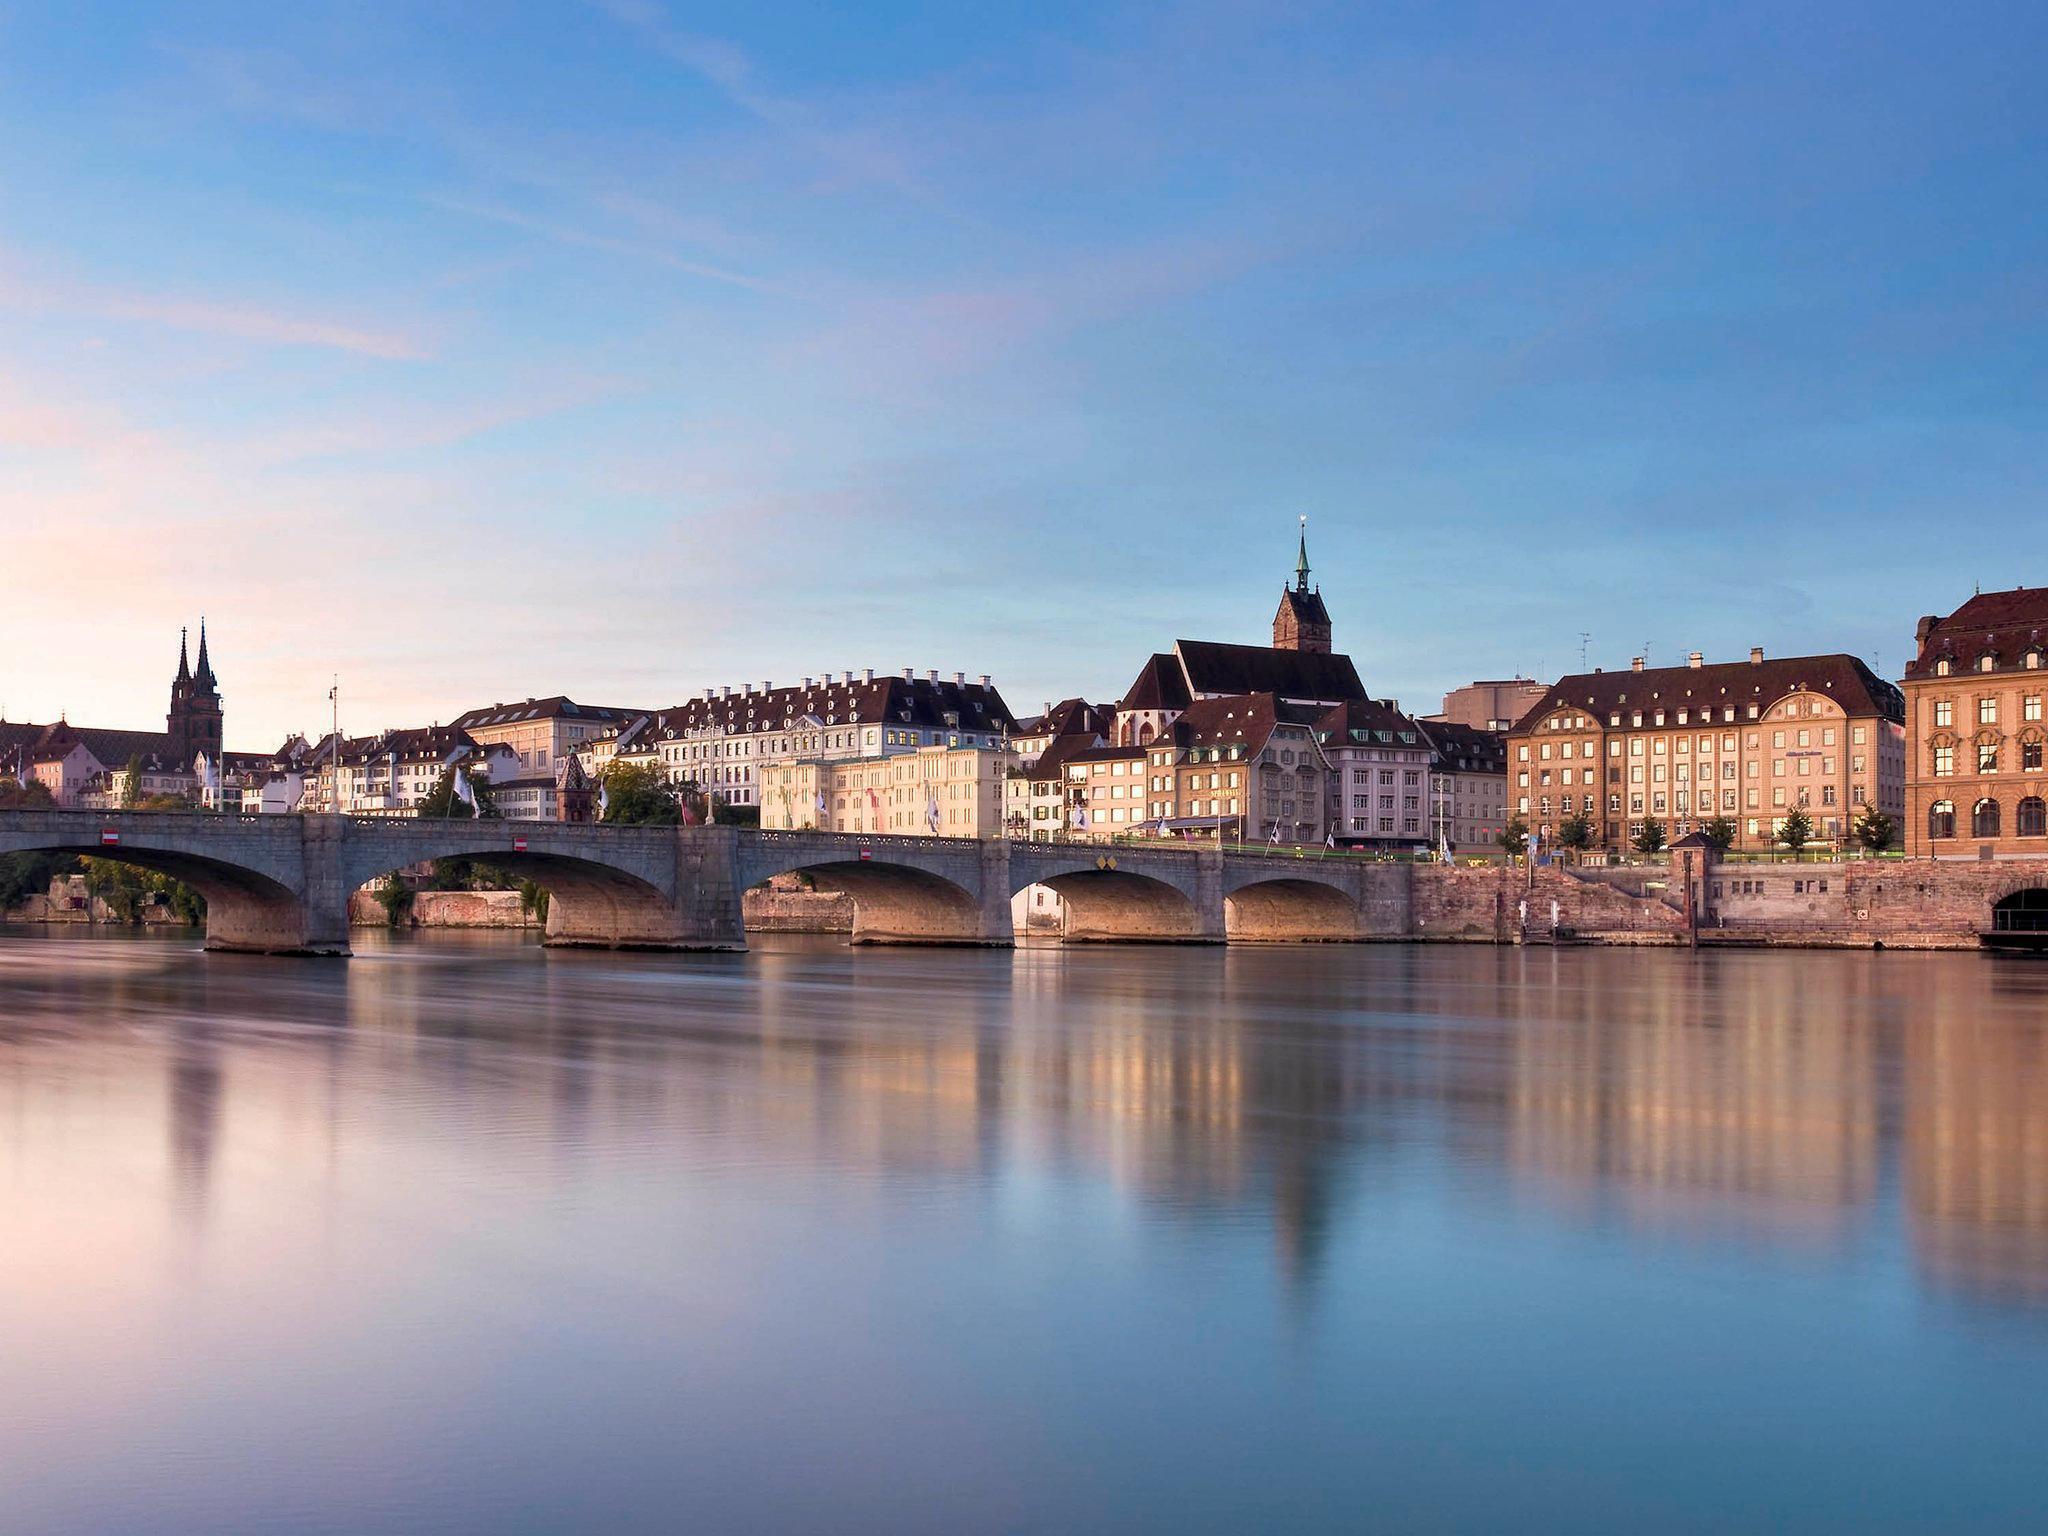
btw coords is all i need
(2030, 818)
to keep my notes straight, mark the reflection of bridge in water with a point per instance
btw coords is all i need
(281, 884)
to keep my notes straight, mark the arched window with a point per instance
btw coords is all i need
(1942, 667)
(1987, 662)
(1941, 819)
(2032, 819)
(1984, 819)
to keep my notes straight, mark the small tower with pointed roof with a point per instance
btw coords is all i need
(1303, 623)
(194, 720)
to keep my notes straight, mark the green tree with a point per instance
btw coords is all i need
(1875, 830)
(32, 796)
(1514, 837)
(23, 875)
(639, 794)
(132, 790)
(126, 890)
(442, 805)
(1721, 832)
(396, 898)
(1649, 837)
(1575, 832)
(1796, 831)
(162, 802)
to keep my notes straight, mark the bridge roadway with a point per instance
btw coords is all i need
(281, 884)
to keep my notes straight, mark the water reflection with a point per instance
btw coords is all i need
(692, 1165)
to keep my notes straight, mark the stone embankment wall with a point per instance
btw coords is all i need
(446, 909)
(1485, 906)
(1901, 904)
(768, 910)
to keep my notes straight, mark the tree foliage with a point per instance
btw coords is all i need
(1875, 830)
(639, 794)
(1721, 832)
(1796, 831)
(126, 890)
(1514, 837)
(32, 796)
(1575, 832)
(442, 805)
(396, 898)
(1649, 837)
(23, 875)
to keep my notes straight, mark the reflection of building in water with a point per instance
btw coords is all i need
(1976, 1138)
(194, 1119)
(1680, 1095)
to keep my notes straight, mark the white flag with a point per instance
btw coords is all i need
(1330, 838)
(604, 798)
(465, 793)
(931, 813)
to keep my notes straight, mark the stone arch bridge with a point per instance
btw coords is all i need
(281, 884)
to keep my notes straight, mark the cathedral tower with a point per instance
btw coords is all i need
(1303, 623)
(194, 721)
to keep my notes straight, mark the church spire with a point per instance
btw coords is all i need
(1301, 559)
(184, 666)
(206, 678)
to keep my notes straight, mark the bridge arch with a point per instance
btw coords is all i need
(1111, 897)
(615, 894)
(252, 893)
(1291, 909)
(903, 890)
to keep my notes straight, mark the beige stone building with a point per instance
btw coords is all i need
(933, 791)
(1488, 706)
(1749, 741)
(539, 732)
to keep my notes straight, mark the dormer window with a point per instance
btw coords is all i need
(1942, 667)
(2033, 661)
(1987, 662)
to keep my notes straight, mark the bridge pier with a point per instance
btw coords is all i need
(585, 912)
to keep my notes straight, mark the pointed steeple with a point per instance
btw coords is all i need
(1301, 560)
(205, 675)
(184, 666)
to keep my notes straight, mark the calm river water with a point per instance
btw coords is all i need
(463, 1236)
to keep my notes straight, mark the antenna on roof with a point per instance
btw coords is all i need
(1646, 653)
(1584, 637)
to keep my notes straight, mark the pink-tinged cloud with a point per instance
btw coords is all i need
(241, 322)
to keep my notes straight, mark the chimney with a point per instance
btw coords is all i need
(1695, 660)
(959, 679)
(867, 674)
(807, 681)
(1047, 710)
(931, 674)
(984, 679)
(1635, 664)
(1756, 655)
(909, 674)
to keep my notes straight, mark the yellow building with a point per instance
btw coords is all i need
(934, 791)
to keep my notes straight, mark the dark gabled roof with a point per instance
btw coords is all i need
(416, 744)
(2005, 624)
(921, 701)
(1159, 685)
(1214, 667)
(1847, 680)
(1307, 607)
(544, 709)
(1071, 717)
(1466, 748)
(1368, 722)
(1061, 750)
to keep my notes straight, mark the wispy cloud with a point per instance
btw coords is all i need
(862, 156)
(592, 240)
(240, 321)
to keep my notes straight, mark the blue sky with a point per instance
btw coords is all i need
(622, 348)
